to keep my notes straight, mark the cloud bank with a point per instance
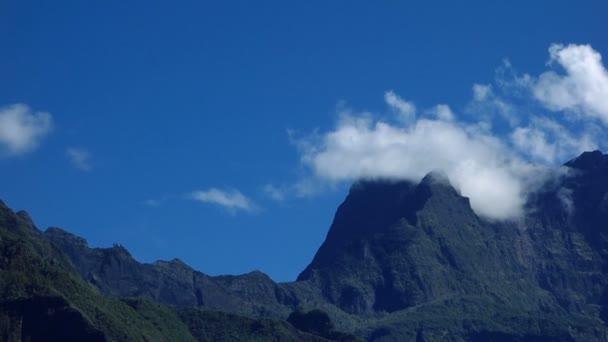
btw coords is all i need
(496, 166)
(229, 199)
(21, 129)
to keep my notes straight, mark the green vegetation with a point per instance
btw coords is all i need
(27, 277)
(317, 322)
(208, 325)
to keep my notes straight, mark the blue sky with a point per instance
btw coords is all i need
(227, 134)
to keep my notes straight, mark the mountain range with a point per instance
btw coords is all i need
(401, 261)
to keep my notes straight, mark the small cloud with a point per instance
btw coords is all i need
(230, 199)
(21, 129)
(276, 193)
(80, 158)
(405, 110)
(152, 202)
(481, 91)
(488, 106)
(158, 201)
(308, 187)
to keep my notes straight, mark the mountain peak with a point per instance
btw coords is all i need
(64, 238)
(175, 262)
(436, 176)
(589, 160)
(24, 215)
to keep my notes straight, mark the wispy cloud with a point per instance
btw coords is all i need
(548, 141)
(152, 202)
(406, 111)
(21, 129)
(80, 158)
(230, 199)
(495, 165)
(276, 193)
(491, 107)
(161, 200)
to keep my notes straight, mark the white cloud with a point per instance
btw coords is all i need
(479, 165)
(21, 129)
(481, 91)
(80, 158)
(489, 107)
(582, 89)
(565, 197)
(406, 110)
(230, 199)
(546, 141)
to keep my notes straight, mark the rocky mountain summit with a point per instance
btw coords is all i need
(401, 261)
